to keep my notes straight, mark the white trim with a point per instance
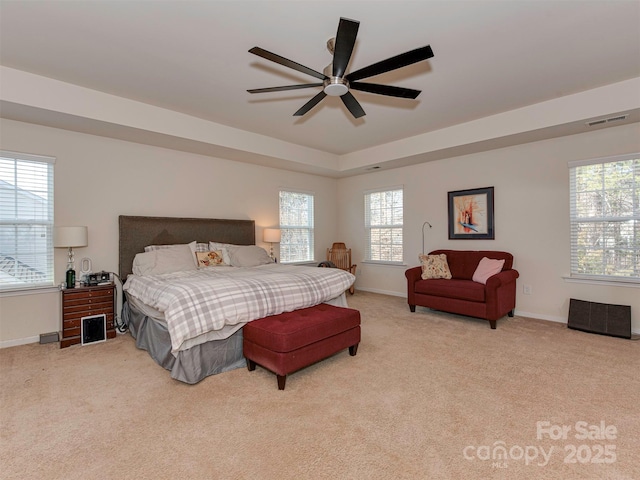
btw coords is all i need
(382, 292)
(296, 190)
(612, 282)
(19, 341)
(539, 316)
(29, 291)
(381, 262)
(384, 189)
(28, 157)
(595, 161)
(550, 318)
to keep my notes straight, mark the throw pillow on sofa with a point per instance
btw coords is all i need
(487, 268)
(434, 266)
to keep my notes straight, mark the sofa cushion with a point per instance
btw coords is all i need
(454, 288)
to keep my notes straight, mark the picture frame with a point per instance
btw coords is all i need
(471, 214)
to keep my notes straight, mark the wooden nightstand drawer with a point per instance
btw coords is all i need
(84, 309)
(83, 302)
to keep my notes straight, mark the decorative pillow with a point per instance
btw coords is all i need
(192, 248)
(248, 256)
(487, 268)
(164, 260)
(202, 247)
(213, 246)
(210, 259)
(435, 266)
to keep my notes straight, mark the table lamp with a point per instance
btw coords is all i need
(271, 236)
(69, 237)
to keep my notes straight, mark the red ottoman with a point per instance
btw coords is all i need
(293, 340)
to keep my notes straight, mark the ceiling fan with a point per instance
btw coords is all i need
(336, 82)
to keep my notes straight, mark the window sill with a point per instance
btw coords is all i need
(28, 291)
(630, 283)
(386, 264)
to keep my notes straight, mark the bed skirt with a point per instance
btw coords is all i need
(191, 365)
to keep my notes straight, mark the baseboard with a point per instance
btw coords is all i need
(551, 318)
(520, 313)
(539, 316)
(382, 292)
(19, 341)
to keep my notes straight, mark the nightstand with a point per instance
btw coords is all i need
(82, 302)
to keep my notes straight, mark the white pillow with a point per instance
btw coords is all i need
(192, 248)
(213, 246)
(248, 256)
(178, 258)
(143, 263)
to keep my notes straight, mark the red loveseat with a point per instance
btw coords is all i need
(460, 294)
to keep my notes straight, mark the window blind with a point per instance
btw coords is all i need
(26, 220)
(296, 227)
(605, 218)
(383, 218)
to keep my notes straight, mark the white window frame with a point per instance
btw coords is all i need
(607, 240)
(26, 222)
(391, 223)
(297, 244)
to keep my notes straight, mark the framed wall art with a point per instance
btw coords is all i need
(471, 214)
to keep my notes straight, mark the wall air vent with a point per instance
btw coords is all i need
(602, 121)
(616, 119)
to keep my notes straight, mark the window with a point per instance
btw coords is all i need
(26, 221)
(296, 226)
(383, 222)
(605, 218)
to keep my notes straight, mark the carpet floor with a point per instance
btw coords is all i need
(428, 396)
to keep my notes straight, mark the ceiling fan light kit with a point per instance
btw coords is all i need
(339, 84)
(336, 86)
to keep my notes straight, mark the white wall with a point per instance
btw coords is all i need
(97, 179)
(531, 184)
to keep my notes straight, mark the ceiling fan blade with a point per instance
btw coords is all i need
(352, 104)
(286, 62)
(345, 40)
(388, 90)
(286, 87)
(310, 104)
(399, 61)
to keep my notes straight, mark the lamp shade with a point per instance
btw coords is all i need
(271, 235)
(70, 237)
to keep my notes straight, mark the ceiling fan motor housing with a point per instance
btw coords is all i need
(336, 86)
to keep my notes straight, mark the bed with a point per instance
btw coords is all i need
(195, 339)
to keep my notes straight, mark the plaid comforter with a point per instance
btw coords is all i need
(197, 302)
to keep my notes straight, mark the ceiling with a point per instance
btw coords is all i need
(191, 57)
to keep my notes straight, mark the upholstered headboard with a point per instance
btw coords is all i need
(138, 232)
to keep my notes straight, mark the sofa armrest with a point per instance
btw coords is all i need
(413, 275)
(502, 278)
(500, 294)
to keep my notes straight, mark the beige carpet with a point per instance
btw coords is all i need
(428, 396)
